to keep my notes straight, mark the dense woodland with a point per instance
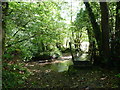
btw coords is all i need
(37, 32)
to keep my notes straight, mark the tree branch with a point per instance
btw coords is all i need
(21, 41)
(20, 29)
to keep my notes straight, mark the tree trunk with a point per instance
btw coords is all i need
(92, 47)
(117, 31)
(117, 23)
(43, 46)
(89, 32)
(71, 51)
(105, 30)
(96, 28)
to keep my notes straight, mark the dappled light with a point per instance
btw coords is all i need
(60, 43)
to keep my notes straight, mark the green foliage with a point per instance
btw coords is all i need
(118, 75)
(72, 70)
(14, 75)
(48, 53)
(10, 53)
(7, 56)
(32, 27)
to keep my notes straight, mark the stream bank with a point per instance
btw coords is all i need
(50, 74)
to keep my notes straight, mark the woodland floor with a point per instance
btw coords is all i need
(95, 77)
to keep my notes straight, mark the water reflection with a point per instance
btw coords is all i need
(66, 57)
(61, 66)
(82, 57)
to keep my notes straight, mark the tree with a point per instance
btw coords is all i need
(117, 23)
(95, 25)
(105, 29)
(33, 27)
(117, 30)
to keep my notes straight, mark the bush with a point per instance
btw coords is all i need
(47, 55)
(13, 75)
(118, 75)
(42, 56)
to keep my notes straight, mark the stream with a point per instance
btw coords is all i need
(58, 73)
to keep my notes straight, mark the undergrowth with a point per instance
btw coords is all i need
(14, 75)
